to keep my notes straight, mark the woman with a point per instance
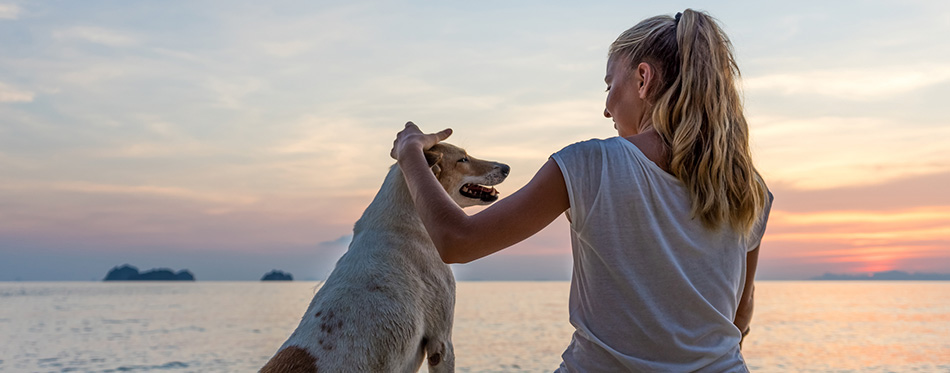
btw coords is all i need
(666, 218)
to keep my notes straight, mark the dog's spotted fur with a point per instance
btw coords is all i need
(390, 300)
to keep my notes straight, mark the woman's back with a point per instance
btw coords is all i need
(653, 289)
(662, 267)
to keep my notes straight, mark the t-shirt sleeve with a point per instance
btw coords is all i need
(581, 165)
(759, 230)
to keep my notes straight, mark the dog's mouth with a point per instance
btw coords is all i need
(484, 193)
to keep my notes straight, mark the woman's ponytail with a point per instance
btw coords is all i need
(698, 114)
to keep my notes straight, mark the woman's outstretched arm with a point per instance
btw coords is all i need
(461, 238)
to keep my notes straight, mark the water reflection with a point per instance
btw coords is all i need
(499, 326)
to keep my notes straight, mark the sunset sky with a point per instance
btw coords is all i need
(232, 138)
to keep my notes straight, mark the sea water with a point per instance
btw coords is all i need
(499, 326)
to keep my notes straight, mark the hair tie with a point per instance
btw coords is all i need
(677, 17)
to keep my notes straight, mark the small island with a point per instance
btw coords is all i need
(884, 276)
(276, 275)
(130, 273)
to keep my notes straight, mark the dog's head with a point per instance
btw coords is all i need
(468, 180)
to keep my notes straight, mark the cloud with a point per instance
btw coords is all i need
(9, 11)
(832, 152)
(231, 91)
(911, 192)
(897, 224)
(216, 197)
(287, 48)
(864, 228)
(159, 191)
(96, 35)
(147, 150)
(162, 140)
(914, 216)
(11, 94)
(853, 84)
(332, 154)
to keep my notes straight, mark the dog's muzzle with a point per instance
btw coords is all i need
(487, 193)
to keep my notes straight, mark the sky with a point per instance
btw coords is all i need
(231, 138)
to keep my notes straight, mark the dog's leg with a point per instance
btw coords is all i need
(440, 355)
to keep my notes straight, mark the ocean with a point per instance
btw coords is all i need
(809, 326)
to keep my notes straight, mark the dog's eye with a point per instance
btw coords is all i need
(463, 160)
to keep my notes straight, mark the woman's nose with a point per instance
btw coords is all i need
(606, 113)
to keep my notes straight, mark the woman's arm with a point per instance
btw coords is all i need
(461, 238)
(744, 312)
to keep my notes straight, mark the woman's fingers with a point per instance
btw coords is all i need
(442, 135)
(412, 136)
(402, 137)
(430, 139)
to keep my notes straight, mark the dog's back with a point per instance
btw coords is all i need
(385, 303)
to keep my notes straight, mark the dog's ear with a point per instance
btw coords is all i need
(433, 158)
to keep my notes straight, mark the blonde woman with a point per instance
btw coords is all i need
(666, 218)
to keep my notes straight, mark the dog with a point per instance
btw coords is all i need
(388, 305)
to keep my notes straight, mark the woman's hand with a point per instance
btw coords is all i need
(412, 139)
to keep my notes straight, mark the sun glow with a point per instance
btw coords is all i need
(862, 241)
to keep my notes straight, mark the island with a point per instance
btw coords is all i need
(276, 275)
(130, 273)
(884, 276)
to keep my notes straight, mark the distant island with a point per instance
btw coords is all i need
(130, 273)
(885, 276)
(276, 275)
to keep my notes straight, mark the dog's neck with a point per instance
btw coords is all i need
(392, 207)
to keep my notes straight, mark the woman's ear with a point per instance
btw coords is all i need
(646, 78)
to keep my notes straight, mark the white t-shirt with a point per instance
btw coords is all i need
(652, 289)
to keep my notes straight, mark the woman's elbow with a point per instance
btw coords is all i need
(450, 251)
(451, 256)
(453, 260)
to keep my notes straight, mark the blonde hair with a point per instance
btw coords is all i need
(697, 110)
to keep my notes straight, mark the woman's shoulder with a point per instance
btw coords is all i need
(588, 146)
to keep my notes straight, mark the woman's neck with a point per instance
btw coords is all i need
(651, 144)
(645, 125)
